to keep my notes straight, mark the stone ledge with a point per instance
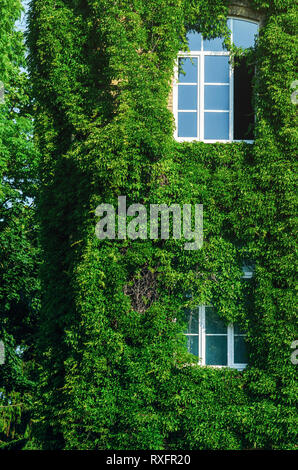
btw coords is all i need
(243, 9)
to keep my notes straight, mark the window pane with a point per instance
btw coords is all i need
(217, 69)
(240, 350)
(192, 318)
(216, 350)
(194, 40)
(216, 126)
(187, 124)
(238, 330)
(217, 97)
(213, 45)
(244, 33)
(190, 69)
(187, 97)
(243, 108)
(214, 324)
(193, 345)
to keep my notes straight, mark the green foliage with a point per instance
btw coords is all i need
(113, 359)
(19, 285)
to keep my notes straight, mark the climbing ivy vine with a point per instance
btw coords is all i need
(19, 284)
(112, 351)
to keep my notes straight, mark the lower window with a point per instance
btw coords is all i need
(213, 342)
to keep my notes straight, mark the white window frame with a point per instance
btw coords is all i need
(202, 342)
(200, 55)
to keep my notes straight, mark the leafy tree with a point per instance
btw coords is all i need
(19, 286)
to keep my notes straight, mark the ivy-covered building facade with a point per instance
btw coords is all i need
(143, 344)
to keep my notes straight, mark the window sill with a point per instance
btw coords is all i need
(191, 139)
(239, 367)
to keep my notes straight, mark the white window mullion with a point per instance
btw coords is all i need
(231, 120)
(198, 98)
(230, 345)
(200, 334)
(202, 98)
(231, 130)
(175, 97)
(203, 334)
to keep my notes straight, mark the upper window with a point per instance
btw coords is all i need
(213, 100)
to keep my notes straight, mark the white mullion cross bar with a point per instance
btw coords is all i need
(216, 334)
(216, 111)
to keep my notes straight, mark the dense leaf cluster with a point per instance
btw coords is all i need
(113, 377)
(19, 283)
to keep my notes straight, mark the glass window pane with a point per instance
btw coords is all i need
(192, 318)
(190, 69)
(193, 345)
(216, 126)
(187, 124)
(238, 330)
(213, 323)
(243, 98)
(244, 33)
(217, 97)
(216, 350)
(240, 350)
(230, 25)
(194, 40)
(187, 97)
(217, 69)
(213, 45)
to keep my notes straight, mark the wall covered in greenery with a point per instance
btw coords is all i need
(112, 358)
